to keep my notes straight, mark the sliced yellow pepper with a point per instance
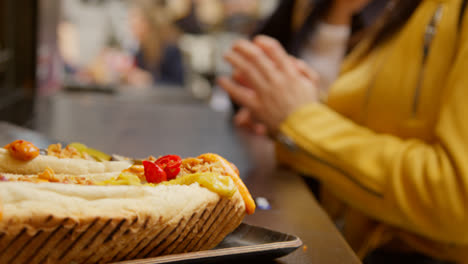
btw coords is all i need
(124, 178)
(98, 155)
(215, 182)
(222, 185)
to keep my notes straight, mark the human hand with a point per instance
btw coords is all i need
(275, 84)
(244, 119)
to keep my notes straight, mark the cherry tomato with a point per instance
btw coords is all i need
(153, 172)
(170, 164)
(172, 173)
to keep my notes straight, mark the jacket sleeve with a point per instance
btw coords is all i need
(409, 183)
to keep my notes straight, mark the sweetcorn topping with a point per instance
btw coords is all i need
(195, 165)
(48, 175)
(69, 152)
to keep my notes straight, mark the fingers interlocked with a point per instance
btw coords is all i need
(267, 81)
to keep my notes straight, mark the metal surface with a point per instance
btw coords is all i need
(139, 128)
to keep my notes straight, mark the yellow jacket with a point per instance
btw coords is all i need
(392, 142)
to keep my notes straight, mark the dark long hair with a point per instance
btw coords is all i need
(279, 24)
(398, 13)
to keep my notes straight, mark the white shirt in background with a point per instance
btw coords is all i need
(324, 51)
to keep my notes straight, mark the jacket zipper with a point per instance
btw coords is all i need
(429, 34)
(431, 30)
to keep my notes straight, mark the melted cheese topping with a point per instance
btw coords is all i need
(230, 170)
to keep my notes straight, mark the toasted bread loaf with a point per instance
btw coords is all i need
(60, 223)
(45, 222)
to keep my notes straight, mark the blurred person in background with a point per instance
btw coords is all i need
(185, 16)
(94, 41)
(158, 57)
(390, 142)
(320, 32)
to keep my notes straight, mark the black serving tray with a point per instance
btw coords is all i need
(246, 242)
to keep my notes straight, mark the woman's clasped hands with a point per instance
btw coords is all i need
(267, 83)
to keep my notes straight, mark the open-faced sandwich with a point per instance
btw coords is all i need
(77, 205)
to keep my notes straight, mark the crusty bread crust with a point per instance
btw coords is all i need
(60, 223)
(8, 164)
(72, 223)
